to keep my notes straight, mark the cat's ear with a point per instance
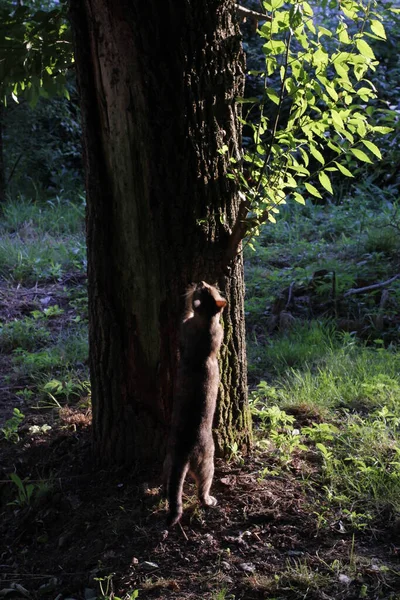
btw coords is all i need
(221, 303)
(196, 303)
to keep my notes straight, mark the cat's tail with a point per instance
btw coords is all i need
(177, 474)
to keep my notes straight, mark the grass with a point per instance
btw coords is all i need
(43, 332)
(330, 385)
(41, 242)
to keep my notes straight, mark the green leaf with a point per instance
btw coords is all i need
(312, 190)
(364, 49)
(378, 28)
(360, 155)
(304, 156)
(374, 149)
(343, 170)
(273, 4)
(383, 130)
(325, 181)
(299, 198)
(317, 154)
(272, 95)
(337, 119)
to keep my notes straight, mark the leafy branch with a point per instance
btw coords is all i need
(316, 80)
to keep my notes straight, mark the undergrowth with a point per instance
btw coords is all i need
(323, 338)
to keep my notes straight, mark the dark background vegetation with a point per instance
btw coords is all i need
(314, 512)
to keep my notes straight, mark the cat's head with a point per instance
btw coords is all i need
(207, 300)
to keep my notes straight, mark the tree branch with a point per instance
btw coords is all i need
(370, 288)
(240, 229)
(251, 14)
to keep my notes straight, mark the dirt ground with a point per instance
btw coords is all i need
(85, 533)
(263, 540)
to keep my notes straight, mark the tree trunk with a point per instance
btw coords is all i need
(157, 83)
(2, 166)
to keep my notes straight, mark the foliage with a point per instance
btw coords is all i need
(24, 491)
(107, 591)
(36, 51)
(42, 148)
(316, 78)
(28, 493)
(22, 333)
(42, 242)
(65, 388)
(11, 426)
(358, 441)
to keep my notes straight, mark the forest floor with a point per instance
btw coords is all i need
(286, 526)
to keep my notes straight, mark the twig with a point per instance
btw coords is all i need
(253, 14)
(369, 288)
(183, 531)
(13, 169)
(290, 294)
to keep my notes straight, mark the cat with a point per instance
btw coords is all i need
(190, 444)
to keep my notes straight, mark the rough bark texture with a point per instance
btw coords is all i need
(157, 83)
(2, 171)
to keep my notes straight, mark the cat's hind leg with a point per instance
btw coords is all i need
(204, 474)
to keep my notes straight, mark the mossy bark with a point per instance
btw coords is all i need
(157, 84)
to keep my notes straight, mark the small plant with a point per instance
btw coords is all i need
(23, 333)
(222, 594)
(64, 389)
(11, 426)
(107, 589)
(51, 311)
(279, 425)
(26, 394)
(25, 491)
(235, 454)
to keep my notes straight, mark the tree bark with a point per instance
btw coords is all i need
(157, 83)
(2, 166)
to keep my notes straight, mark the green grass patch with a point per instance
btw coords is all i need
(69, 350)
(41, 242)
(354, 391)
(25, 333)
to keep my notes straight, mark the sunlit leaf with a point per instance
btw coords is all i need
(325, 181)
(317, 154)
(364, 48)
(312, 190)
(378, 28)
(344, 170)
(374, 149)
(272, 95)
(360, 155)
(299, 198)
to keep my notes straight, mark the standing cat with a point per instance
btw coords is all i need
(190, 443)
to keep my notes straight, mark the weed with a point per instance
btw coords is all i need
(107, 589)
(222, 594)
(51, 311)
(64, 389)
(282, 437)
(22, 333)
(299, 574)
(11, 426)
(70, 349)
(28, 493)
(235, 454)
